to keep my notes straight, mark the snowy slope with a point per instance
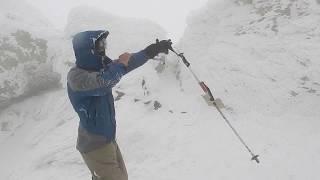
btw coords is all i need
(265, 66)
(241, 48)
(268, 80)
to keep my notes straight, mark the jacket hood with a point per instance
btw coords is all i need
(84, 49)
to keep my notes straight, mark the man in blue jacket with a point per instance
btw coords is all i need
(90, 85)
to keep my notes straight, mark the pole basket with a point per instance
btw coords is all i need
(255, 158)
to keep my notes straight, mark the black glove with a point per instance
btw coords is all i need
(159, 47)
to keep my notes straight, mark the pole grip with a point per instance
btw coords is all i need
(185, 61)
(207, 90)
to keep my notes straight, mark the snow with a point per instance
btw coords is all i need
(269, 82)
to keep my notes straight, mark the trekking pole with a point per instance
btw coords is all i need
(209, 97)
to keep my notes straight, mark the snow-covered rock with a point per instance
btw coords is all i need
(284, 17)
(25, 61)
(276, 49)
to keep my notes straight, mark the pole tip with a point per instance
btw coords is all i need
(255, 158)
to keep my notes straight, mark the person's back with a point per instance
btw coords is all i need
(90, 85)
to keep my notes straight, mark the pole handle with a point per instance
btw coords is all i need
(185, 61)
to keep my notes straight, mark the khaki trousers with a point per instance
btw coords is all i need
(106, 163)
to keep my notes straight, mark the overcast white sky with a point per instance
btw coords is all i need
(170, 14)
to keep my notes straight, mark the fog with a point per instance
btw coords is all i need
(170, 14)
(260, 58)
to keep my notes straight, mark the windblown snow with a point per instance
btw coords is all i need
(260, 57)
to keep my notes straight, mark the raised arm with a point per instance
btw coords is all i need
(136, 60)
(95, 83)
(98, 83)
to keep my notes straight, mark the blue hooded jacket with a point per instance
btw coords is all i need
(90, 85)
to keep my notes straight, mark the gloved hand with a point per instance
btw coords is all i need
(158, 47)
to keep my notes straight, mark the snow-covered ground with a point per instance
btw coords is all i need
(264, 66)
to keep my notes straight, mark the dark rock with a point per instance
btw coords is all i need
(156, 105)
(119, 95)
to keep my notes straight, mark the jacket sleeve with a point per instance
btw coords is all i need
(137, 60)
(87, 83)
